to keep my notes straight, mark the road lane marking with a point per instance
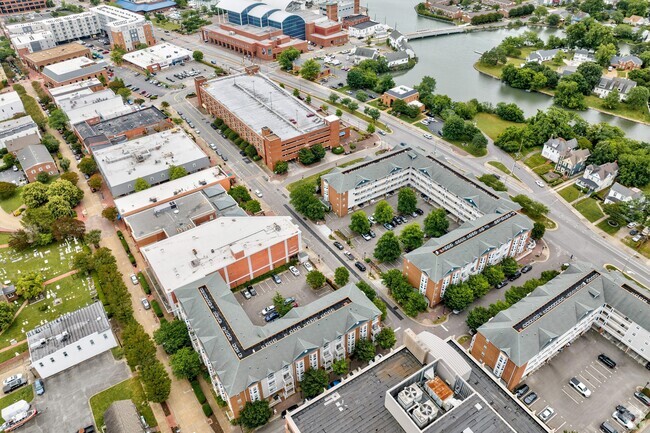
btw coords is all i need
(443, 327)
(397, 329)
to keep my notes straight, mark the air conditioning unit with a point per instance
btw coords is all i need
(409, 395)
(424, 413)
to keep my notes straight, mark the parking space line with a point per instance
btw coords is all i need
(585, 379)
(599, 372)
(567, 394)
(595, 378)
(560, 426)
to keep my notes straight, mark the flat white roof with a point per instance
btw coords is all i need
(10, 98)
(68, 66)
(259, 102)
(104, 104)
(203, 250)
(164, 191)
(158, 54)
(74, 87)
(144, 156)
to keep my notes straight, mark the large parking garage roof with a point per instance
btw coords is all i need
(259, 102)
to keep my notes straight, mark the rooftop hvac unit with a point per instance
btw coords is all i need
(62, 336)
(424, 413)
(409, 395)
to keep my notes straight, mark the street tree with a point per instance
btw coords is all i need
(240, 194)
(458, 296)
(95, 181)
(186, 363)
(383, 212)
(339, 367)
(476, 317)
(381, 306)
(172, 336)
(65, 189)
(509, 266)
(310, 70)
(93, 237)
(407, 201)
(281, 306)
(110, 213)
(87, 165)
(494, 274)
(286, 58)
(538, 231)
(532, 208)
(304, 199)
(411, 237)
(197, 55)
(155, 381)
(255, 414)
(436, 223)
(315, 279)
(252, 207)
(70, 176)
(359, 222)
(57, 119)
(388, 248)
(50, 142)
(386, 338)
(314, 382)
(479, 285)
(334, 97)
(341, 276)
(140, 185)
(364, 350)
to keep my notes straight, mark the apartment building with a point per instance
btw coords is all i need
(62, 29)
(10, 105)
(148, 158)
(74, 71)
(16, 134)
(276, 123)
(520, 340)
(8, 7)
(248, 363)
(124, 29)
(237, 248)
(32, 42)
(40, 59)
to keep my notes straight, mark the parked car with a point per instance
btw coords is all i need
(521, 390)
(338, 245)
(372, 219)
(366, 236)
(634, 232)
(546, 414)
(246, 294)
(389, 226)
(624, 411)
(632, 225)
(10, 379)
(580, 387)
(348, 254)
(527, 269)
(606, 360)
(39, 387)
(636, 238)
(607, 428)
(268, 309)
(642, 398)
(271, 316)
(360, 266)
(145, 303)
(419, 211)
(294, 270)
(252, 291)
(502, 284)
(258, 193)
(308, 266)
(276, 279)
(134, 279)
(14, 384)
(372, 234)
(334, 383)
(530, 398)
(515, 276)
(623, 420)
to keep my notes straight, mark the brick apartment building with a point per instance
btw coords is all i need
(518, 341)
(267, 116)
(8, 7)
(238, 249)
(40, 59)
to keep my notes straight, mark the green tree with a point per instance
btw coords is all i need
(353, 106)
(252, 207)
(637, 98)
(454, 128)
(388, 248)
(155, 381)
(30, 285)
(304, 199)
(339, 367)
(50, 142)
(315, 279)
(509, 266)
(361, 96)
(479, 285)
(339, 113)
(341, 276)
(510, 112)
(568, 95)
(93, 237)
(110, 213)
(533, 209)
(310, 70)
(381, 306)
(281, 167)
(186, 363)
(140, 185)
(35, 194)
(65, 189)
(458, 296)
(371, 128)
(8, 160)
(6, 315)
(197, 55)
(59, 207)
(383, 212)
(612, 100)
(95, 181)
(124, 92)
(436, 223)
(476, 317)
(7, 189)
(255, 414)
(281, 306)
(494, 274)
(604, 53)
(359, 222)
(240, 194)
(286, 58)
(538, 231)
(364, 350)
(406, 201)
(87, 165)
(591, 73)
(411, 237)
(71, 177)
(553, 20)
(138, 347)
(172, 336)
(68, 227)
(367, 290)
(314, 382)
(386, 338)
(176, 172)
(57, 119)
(334, 97)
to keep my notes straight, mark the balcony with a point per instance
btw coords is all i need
(287, 378)
(339, 351)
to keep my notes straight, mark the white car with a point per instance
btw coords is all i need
(12, 378)
(580, 387)
(268, 309)
(632, 225)
(623, 420)
(308, 266)
(294, 270)
(546, 414)
(258, 193)
(134, 280)
(539, 183)
(427, 136)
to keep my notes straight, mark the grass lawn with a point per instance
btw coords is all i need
(25, 393)
(130, 389)
(641, 247)
(570, 193)
(50, 260)
(622, 110)
(314, 177)
(4, 238)
(407, 119)
(8, 354)
(359, 114)
(492, 125)
(168, 25)
(14, 202)
(375, 103)
(535, 160)
(495, 71)
(500, 166)
(607, 228)
(70, 293)
(589, 209)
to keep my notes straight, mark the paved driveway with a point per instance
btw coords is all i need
(64, 406)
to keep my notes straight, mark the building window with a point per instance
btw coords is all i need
(254, 393)
(92, 342)
(65, 354)
(351, 337)
(313, 360)
(300, 370)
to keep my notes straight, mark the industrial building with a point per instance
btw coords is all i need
(93, 107)
(158, 57)
(237, 248)
(276, 123)
(248, 363)
(518, 341)
(10, 105)
(425, 386)
(74, 71)
(69, 340)
(148, 158)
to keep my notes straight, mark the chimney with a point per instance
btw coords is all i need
(332, 9)
(357, 7)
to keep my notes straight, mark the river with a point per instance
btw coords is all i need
(450, 60)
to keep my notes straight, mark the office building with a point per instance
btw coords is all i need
(148, 158)
(39, 59)
(518, 341)
(426, 386)
(32, 42)
(158, 57)
(16, 134)
(8, 7)
(69, 340)
(81, 88)
(10, 105)
(237, 248)
(267, 116)
(93, 107)
(248, 363)
(74, 71)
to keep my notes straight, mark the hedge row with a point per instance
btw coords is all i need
(144, 283)
(156, 308)
(198, 392)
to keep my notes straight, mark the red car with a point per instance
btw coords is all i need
(104, 52)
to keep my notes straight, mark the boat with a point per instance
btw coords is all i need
(18, 420)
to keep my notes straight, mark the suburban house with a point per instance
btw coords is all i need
(397, 58)
(626, 62)
(403, 93)
(540, 56)
(635, 21)
(607, 85)
(572, 162)
(35, 159)
(363, 53)
(556, 147)
(399, 42)
(619, 193)
(583, 56)
(598, 177)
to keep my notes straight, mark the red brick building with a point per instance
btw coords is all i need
(326, 33)
(35, 159)
(8, 7)
(264, 43)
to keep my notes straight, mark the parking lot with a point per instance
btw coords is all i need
(361, 248)
(65, 401)
(291, 286)
(608, 387)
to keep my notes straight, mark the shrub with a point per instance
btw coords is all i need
(156, 308)
(207, 410)
(338, 150)
(144, 283)
(198, 392)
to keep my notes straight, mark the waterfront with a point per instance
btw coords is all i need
(450, 60)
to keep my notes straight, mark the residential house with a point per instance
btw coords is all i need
(607, 85)
(395, 39)
(540, 56)
(619, 193)
(363, 53)
(579, 16)
(572, 162)
(555, 147)
(626, 62)
(35, 159)
(397, 58)
(8, 293)
(635, 21)
(444, 9)
(598, 177)
(364, 29)
(582, 56)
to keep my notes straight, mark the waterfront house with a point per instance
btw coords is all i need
(572, 162)
(607, 85)
(626, 62)
(598, 177)
(620, 193)
(363, 53)
(582, 56)
(555, 147)
(540, 56)
(397, 58)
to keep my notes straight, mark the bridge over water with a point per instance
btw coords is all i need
(430, 33)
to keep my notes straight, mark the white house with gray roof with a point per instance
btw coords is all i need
(598, 177)
(619, 193)
(519, 340)
(556, 147)
(540, 56)
(16, 134)
(251, 363)
(607, 85)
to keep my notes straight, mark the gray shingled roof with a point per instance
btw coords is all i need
(370, 53)
(625, 191)
(461, 185)
(538, 331)
(560, 144)
(463, 248)
(339, 312)
(122, 417)
(33, 155)
(615, 60)
(399, 55)
(623, 85)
